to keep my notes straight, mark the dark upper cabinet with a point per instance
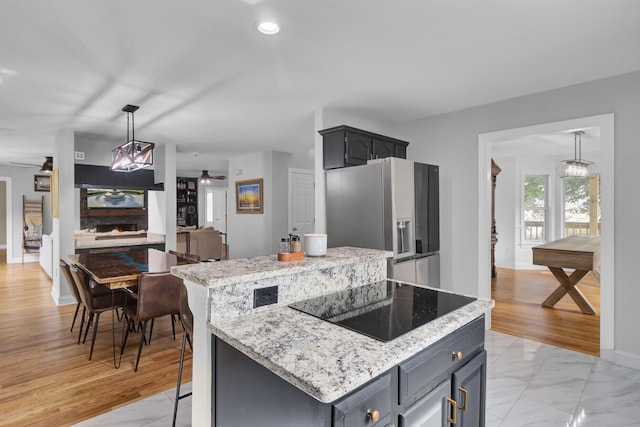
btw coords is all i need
(357, 148)
(381, 148)
(347, 146)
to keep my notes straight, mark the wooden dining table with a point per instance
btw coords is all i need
(121, 269)
(580, 253)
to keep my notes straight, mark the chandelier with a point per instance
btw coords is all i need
(132, 155)
(578, 167)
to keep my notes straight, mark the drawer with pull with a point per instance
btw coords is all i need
(427, 369)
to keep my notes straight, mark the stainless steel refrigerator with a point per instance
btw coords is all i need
(390, 204)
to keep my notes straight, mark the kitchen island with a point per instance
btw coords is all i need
(316, 364)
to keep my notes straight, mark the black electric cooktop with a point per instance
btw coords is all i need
(383, 310)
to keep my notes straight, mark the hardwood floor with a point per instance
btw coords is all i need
(518, 295)
(47, 380)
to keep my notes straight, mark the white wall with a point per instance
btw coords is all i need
(249, 234)
(22, 184)
(451, 140)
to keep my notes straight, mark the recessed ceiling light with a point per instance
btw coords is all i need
(268, 27)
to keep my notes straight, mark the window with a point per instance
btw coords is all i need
(581, 207)
(535, 208)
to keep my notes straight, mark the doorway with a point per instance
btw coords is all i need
(302, 201)
(6, 242)
(216, 209)
(605, 124)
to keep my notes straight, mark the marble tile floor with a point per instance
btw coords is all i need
(528, 384)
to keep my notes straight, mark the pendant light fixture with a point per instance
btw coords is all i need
(577, 168)
(205, 178)
(132, 155)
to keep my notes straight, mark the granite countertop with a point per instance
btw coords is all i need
(124, 238)
(326, 360)
(215, 274)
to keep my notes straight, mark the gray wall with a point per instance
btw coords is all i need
(22, 184)
(251, 235)
(451, 140)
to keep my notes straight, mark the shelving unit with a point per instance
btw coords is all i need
(187, 201)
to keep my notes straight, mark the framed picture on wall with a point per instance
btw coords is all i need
(249, 196)
(41, 182)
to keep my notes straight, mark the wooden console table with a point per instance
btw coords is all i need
(571, 252)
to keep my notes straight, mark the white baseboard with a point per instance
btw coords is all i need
(27, 258)
(3, 246)
(626, 359)
(530, 267)
(58, 300)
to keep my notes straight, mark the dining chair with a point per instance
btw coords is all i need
(158, 295)
(64, 267)
(186, 318)
(95, 302)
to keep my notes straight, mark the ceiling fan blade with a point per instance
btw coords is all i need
(24, 165)
(219, 177)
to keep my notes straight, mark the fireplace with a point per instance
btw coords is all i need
(105, 228)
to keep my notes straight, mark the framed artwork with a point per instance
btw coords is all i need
(249, 197)
(53, 199)
(41, 182)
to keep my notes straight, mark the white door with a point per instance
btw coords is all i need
(216, 209)
(302, 201)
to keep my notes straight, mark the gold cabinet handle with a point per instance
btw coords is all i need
(457, 355)
(454, 409)
(374, 415)
(464, 392)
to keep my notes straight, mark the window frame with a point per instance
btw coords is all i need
(547, 229)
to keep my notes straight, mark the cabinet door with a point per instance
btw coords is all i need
(468, 390)
(382, 149)
(358, 148)
(370, 406)
(433, 410)
(401, 151)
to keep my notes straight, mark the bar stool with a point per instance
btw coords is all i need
(186, 317)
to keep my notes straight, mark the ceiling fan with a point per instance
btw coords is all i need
(205, 178)
(46, 167)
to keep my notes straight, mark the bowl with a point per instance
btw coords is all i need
(315, 244)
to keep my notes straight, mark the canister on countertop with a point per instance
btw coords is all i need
(296, 245)
(284, 245)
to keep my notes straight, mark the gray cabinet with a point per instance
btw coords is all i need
(468, 388)
(430, 411)
(347, 146)
(369, 406)
(443, 383)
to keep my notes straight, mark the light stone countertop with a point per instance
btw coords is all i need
(325, 360)
(221, 273)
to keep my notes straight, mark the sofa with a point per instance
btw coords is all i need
(204, 242)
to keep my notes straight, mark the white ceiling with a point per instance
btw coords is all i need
(207, 81)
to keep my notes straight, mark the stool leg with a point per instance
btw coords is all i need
(175, 407)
